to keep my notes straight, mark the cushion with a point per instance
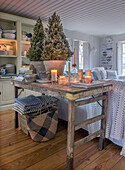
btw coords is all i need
(111, 74)
(103, 74)
(121, 77)
(99, 68)
(97, 75)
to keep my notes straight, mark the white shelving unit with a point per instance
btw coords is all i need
(20, 24)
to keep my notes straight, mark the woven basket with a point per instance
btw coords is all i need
(46, 125)
(23, 124)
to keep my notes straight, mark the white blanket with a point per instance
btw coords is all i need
(115, 128)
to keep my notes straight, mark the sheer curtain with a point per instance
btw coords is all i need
(119, 57)
(86, 56)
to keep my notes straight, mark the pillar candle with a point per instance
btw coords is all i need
(53, 75)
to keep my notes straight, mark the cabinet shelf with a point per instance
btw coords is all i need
(26, 42)
(24, 56)
(9, 40)
(8, 56)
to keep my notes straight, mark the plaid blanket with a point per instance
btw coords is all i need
(43, 127)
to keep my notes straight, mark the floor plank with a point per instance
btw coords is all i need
(120, 165)
(18, 151)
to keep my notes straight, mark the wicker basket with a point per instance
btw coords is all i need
(41, 127)
(23, 124)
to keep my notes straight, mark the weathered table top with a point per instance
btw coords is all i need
(68, 92)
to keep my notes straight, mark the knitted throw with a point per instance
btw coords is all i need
(115, 127)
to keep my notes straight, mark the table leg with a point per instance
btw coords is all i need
(103, 122)
(16, 113)
(70, 135)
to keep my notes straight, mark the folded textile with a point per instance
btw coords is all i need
(45, 102)
(28, 102)
(18, 108)
(49, 100)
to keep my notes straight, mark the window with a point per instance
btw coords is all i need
(80, 55)
(123, 58)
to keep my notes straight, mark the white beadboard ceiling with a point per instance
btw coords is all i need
(97, 17)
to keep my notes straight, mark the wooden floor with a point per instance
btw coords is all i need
(18, 151)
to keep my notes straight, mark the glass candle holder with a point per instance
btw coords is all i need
(74, 77)
(80, 74)
(88, 76)
(62, 80)
(53, 75)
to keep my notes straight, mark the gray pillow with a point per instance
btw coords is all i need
(111, 74)
(97, 75)
(103, 74)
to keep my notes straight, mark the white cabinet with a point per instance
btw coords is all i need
(7, 92)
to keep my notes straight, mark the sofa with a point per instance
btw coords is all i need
(99, 73)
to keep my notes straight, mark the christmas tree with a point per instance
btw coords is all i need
(37, 42)
(56, 45)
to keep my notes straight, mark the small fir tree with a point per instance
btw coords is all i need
(56, 45)
(37, 42)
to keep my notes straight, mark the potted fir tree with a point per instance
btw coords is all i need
(56, 50)
(37, 47)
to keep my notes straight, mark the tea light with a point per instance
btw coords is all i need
(62, 80)
(75, 81)
(80, 74)
(53, 75)
(88, 76)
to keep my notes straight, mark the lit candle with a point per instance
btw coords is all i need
(80, 74)
(53, 75)
(7, 47)
(25, 52)
(88, 76)
(62, 80)
(69, 70)
(74, 56)
(75, 81)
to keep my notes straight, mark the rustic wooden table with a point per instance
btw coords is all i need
(72, 94)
